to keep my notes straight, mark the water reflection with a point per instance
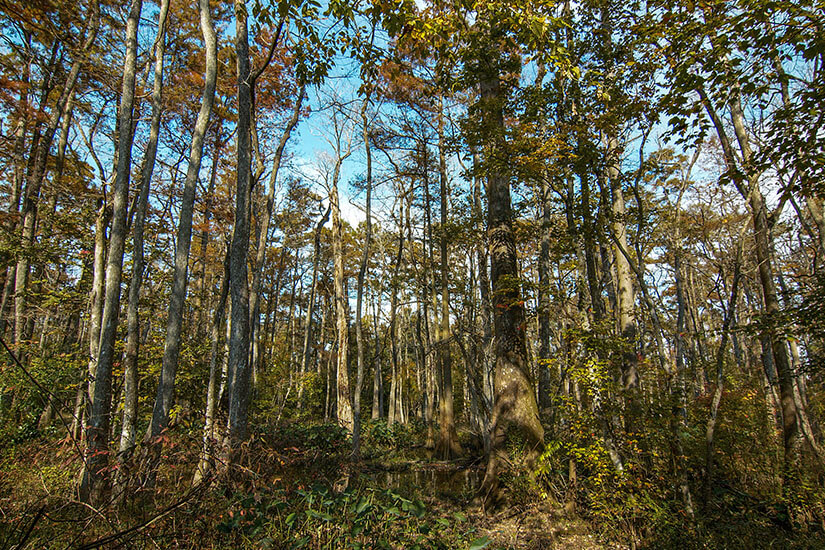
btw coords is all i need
(432, 480)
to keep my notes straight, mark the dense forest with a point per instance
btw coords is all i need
(412, 274)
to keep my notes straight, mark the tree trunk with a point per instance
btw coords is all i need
(164, 397)
(311, 305)
(544, 269)
(95, 479)
(239, 371)
(392, 415)
(362, 272)
(130, 369)
(210, 437)
(515, 408)
(447, 447)
(343, 403)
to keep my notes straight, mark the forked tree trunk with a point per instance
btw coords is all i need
(95, 478)
(130, 369)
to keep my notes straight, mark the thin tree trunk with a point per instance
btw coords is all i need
(377, 378)
(362, 272)
(710, 429)
(311, 305)
(392, 416)
(95, 478)
(130, 369)
(164, 397)
(447, 447)
(210, 437)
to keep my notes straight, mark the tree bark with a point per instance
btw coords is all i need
(447, 447)
(95, 478)
(164, 397)
(239, 368)
(515, 408)
(362, 272)
(130, 369)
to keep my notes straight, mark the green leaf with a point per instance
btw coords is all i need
(363, 504)
(479, 543)
(290, 519)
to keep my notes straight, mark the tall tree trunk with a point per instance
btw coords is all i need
(130, 369)
(171, 352)
(95, 478)
(239, 368)
(625, 294)
(392, 415)
(515, 408)
(362, 272)
(96, 294)
(447, 446)
(343, 403)
(486, 357)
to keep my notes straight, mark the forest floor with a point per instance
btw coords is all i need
(298, 486)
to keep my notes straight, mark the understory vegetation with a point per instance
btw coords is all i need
(412, 274)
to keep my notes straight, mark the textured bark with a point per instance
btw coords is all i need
(515, 408)
(343, 403)
(447, 447)
(239, 369)
(130, 369)
(95, 478)
(362, 272)
(171, 352)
